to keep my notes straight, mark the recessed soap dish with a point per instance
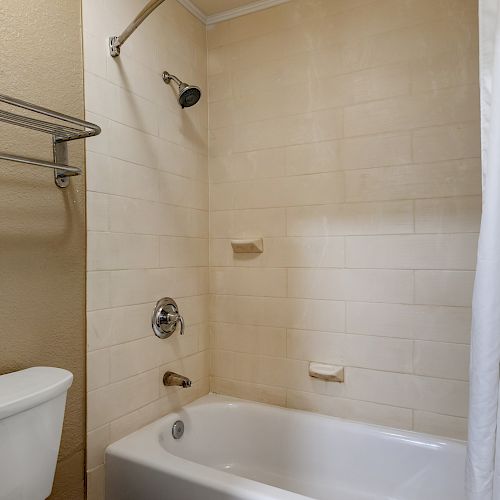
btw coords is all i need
(330, 373)
(254, 245)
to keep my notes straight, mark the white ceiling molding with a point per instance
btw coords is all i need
(194, 10)
(229, 14)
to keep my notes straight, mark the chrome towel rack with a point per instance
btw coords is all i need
(62, 133)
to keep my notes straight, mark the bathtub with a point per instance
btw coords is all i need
(234, 449)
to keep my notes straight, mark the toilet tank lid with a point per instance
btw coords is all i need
(25, 389)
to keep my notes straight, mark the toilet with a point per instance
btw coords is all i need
(32, 403)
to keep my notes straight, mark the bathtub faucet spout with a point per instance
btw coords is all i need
(172, 378)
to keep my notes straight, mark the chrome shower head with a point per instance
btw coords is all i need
(189, 95)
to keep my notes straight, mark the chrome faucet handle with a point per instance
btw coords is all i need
(166, 317)
(176, 318)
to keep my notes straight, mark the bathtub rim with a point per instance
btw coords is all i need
(147, 451)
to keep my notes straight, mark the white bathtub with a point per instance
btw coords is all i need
(234, 449)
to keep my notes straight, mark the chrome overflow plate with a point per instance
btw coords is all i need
(178, 429)
(165, 318)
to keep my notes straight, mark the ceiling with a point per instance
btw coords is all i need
(211, 7)
(213, 11)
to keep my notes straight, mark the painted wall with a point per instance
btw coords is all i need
(42, 228)
(346, 134)
(147, 219)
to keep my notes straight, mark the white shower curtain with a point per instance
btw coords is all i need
(483, 453)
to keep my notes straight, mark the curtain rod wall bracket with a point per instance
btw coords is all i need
(115, 42)
(114, 46)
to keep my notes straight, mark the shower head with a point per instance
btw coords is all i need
(189, 95)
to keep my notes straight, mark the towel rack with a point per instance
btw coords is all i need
(61, 135)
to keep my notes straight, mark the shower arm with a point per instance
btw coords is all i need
(115, 42)
(168, 76)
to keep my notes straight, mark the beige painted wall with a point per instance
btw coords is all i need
(345, 132)
(42, 228)
(147, 219)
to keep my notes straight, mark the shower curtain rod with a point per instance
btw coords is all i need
(115, 42)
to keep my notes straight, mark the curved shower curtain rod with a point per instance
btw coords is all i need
(115, 42)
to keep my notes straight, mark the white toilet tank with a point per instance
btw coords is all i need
(32, 405)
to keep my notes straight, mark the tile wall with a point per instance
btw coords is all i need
(345, 133)
(147, 190)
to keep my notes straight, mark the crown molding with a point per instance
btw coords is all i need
(194, 10)
(229, 14)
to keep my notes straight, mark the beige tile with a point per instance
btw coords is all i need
(323, 315)
(437, 359)
(282, 192)
(282, 252)
(177, 397)
(391, 416)
(108, 251)
(133, 421)
(115, 400)
(351, 218)
(370, 285)
(318, 94)
(451, 251)
(129, 287)
(98, 369)
(194, 309)
(262, 164)
(430, 180)
(129, 215)
(108, 327)
(248, 223)
(291, 67)
(98, 290)
(98, 218)
(94, 59)
(448, 215)
(246, 390)
(97, 441)
(410, 43)
(98, 172)
(183, 192)
(439, 107)
(351, 350)
(249, 368)
(95, 483)
(447, 142)
(183, 252)
(441, 425)
(218, 89)
(181, 346)
(350, 153)
(221, 142)
(132, 180)
(132, 358)
(263, 340)
(446, 288)
(457, 67)
(248, 281)
(276, 132)
(437, 323)
(184, 162)
(410, 391)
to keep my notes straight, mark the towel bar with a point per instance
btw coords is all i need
(61, 134)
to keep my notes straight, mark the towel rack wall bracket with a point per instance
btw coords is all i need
(62, 133)
(60, 154)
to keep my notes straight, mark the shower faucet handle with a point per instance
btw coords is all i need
(166, 317)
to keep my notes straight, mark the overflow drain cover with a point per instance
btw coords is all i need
(178, 429)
